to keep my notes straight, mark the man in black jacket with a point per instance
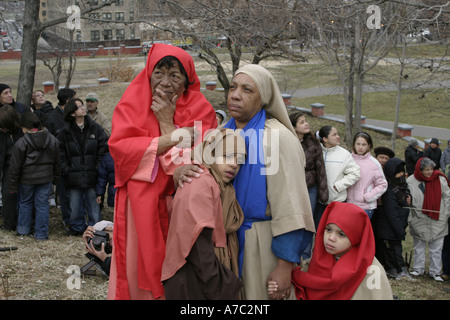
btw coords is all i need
(55, 122)
(412, 155)
(434, 153)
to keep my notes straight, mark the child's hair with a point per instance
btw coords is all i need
(30, 120)
(366, 137)
(9, 118)
(70, 108)
(324, 132)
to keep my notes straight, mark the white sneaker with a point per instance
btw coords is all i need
(52, 202)
(437, 277)
(416, 273)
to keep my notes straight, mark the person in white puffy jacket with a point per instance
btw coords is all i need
(342, 170)
(372, 184)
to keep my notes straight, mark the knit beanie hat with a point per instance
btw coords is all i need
(3, 87)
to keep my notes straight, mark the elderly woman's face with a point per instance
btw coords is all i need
(169, 81)
(244, 99)
(427, 172)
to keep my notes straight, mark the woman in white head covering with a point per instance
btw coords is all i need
(270, 187)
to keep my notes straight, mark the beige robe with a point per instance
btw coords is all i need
(288, 204)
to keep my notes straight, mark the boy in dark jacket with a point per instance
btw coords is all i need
(34, 168)
(82, 143)
(392, 218)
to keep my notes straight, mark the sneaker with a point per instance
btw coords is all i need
(437, 277)
(416, 273)
(52, 202)
(392, 273)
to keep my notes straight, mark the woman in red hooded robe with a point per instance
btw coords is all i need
(159, 101)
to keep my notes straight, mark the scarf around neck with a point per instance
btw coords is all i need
(433, 193)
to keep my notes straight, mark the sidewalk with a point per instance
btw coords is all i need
(443, 134)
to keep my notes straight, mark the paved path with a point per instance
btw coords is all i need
(418, 131)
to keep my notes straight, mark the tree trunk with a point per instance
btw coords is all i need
(399, 95)
(31, 32)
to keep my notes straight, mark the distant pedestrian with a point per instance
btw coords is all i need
(10, 132)
(428, 220)
(434, 152)
(445, 160)
(412, 155)
(96, 114)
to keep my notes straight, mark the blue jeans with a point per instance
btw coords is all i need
(313, 194)
(34, 195)
(370, 212)
(81, 200)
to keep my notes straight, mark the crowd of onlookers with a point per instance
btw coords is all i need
(63, 151)
(394, 193)
(48, 151)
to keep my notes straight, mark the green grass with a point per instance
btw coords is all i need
(414, 107)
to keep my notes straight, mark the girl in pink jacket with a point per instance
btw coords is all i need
(372, 183)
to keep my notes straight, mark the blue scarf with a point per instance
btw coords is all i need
(250, 182)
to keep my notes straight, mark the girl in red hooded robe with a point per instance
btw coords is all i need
(343, 265)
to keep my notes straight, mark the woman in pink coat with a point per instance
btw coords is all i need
(372, 183)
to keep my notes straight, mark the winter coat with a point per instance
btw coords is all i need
(445, 160)
(55, 121)
(106, 176)
(43, 112)
(315, 173)
(342, 172)
(371, 184)
(7, 141)
(412, 155)
(435, 155)
(80, 162)
(421, 225)
(35, 160)
(392, 215)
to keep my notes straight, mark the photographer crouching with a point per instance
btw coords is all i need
(98, 242)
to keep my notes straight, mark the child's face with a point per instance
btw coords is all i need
(361, 146)
(228, 166)
(335, 240)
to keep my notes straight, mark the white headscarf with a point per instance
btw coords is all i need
(270, 93)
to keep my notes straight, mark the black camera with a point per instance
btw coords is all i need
(99, 238)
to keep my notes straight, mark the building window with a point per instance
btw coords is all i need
(131, 15)
(120, 34)
(106, 16)
(78, 36)
(119, 3)
(94, 15)
(95, 35)
(94, 2)
(44, 13)
(107, 35)
(132, 35)
(120, 16)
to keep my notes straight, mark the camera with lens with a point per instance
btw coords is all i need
(99, 238)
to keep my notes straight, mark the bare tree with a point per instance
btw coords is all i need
(260, 28)
(32, 29)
